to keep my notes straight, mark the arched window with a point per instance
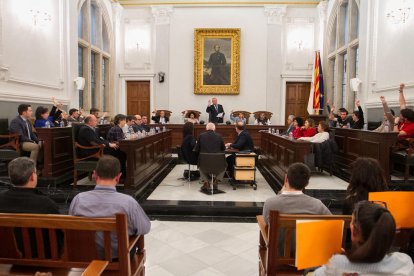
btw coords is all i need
(341, 48)
(93, 55)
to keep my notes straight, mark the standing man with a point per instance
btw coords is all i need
(215, 111)
(217, 65)
(105, 201)
(22, 125)
(210, 142)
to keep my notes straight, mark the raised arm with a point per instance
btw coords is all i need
(403, 104)
(387, 111)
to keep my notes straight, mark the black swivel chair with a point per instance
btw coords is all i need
(212, 164)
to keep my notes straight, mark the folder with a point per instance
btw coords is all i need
(400, 205)
(317, 241)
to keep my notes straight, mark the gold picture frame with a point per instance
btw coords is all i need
(217, 61)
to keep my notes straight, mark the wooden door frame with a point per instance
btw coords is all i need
(285, 79)
(122, 99)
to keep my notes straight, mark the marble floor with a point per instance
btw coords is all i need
(171, 188)
(202, 249)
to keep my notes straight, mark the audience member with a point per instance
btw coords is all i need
(366, 176)
(290, 125)
(22, 125)
(243, 143)
(129, 126)
(358, 117)
(309, 130)
(137, 126)
(388, 124)
(188, 144)
(116, 133)
(161, 118)
(372, 234)
(297, 130)
(105, 201)
(75, 115)
(321, 136)
(404, 124)
(262, 120)
(341, 120)
(239, 118)
(190, 117)
(291, 199)
(144, 124)
(210, 142)
(44, 118)
(215, 111)
(94, 111)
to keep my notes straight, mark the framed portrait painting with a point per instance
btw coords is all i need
(217, 61)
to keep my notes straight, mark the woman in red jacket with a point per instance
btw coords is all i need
(309, 130)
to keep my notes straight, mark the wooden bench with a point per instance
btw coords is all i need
(270, 261)
(79, 247)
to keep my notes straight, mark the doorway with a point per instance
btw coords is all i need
(138, 98)
(297, 97)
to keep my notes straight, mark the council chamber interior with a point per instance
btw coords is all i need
(144, 57)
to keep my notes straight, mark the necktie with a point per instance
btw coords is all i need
(28, 131)
(216, 107)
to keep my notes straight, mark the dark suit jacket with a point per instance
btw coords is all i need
(187, 147)
(210, 142)
(88, 137)
(156, 119)
(212, 113)
(18, 125)
(137, 128)
(243, 142)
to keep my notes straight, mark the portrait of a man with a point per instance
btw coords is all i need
(217, 62)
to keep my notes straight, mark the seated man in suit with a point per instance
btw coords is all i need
(215, 111)
(22, 125)
(75, 115)
(210, 142)
(243, 143)
(144, 123)
(160, 119)
(137, 126)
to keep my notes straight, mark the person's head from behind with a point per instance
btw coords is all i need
(25, 110)
(214, 100)
(290, 119)
(94, 111)
(239, 127)
(309, 123)
(298, 122)
(91, 120)
(73, 112)
(22, 172)
(323, 126)
(407, 115)
(211, 126)
(217, 48)
(130, 120)
(108, 170)
(372, 232)
(120, 120)
(297, 176)
(343, 113)
(366, 176)
(41, 113)
(188, 129)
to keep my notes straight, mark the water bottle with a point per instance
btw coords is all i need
(102, 121)
(290, 135)
(62, 123)
(270, 130)
(163, 129)
(277, 131)
(348, 125)
(131, 130)
(47, 124)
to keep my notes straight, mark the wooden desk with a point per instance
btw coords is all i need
(355, 143)
(57, 151)
(228, 132)
(279, 152)
(145, 158)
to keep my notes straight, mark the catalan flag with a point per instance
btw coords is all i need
(315, 103)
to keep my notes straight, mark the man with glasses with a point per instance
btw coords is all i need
(137, 126)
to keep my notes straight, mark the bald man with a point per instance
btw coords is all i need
(210, 142)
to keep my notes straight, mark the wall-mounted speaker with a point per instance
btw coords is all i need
(79, 83)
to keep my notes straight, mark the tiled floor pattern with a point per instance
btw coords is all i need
(202, 249)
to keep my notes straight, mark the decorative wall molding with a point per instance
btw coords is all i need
(37, 84)
(162, 14)
(13, 97)
(322, 10)
(275, 14)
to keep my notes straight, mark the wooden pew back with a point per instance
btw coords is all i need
(283, 225)
(39, 244)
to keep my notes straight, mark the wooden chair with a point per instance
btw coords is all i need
(270, 261)
(268, 114)
(405, 157)
(87, 163)
(79, 246)
(196, 113)
(11, 149)
(167, 113)
(246, 114)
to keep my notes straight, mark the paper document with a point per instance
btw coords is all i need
(220, 115)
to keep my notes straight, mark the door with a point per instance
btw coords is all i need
(297, 97)
(138, 98)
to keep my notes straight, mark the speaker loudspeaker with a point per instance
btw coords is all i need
(80, 83)
(355, 82)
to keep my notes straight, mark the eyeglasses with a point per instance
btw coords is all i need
(363, 202)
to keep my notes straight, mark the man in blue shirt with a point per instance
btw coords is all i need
(105, 201)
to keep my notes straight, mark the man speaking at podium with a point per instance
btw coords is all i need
(215, 111)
